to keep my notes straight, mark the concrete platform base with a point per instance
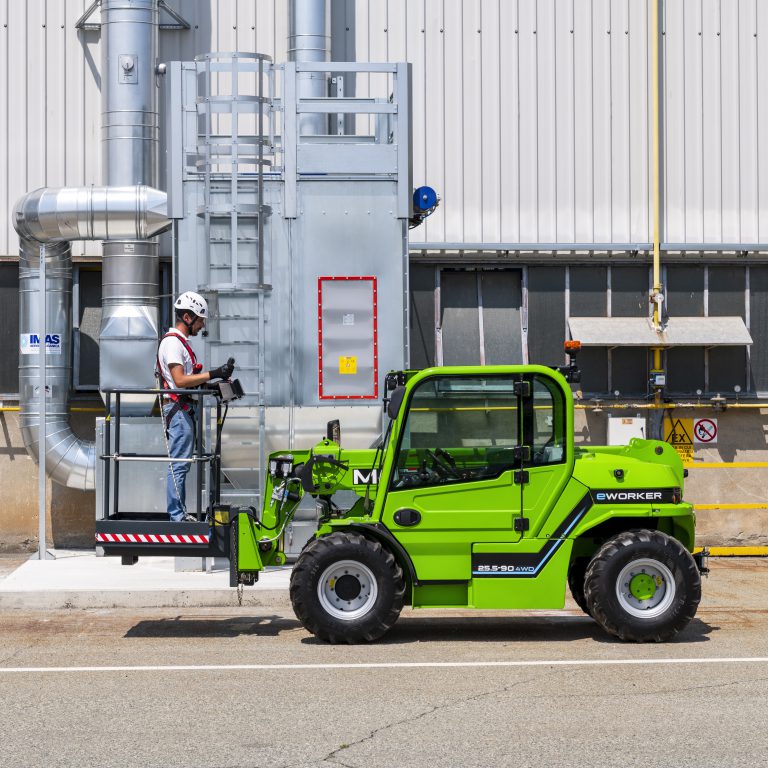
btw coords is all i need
(79, 579)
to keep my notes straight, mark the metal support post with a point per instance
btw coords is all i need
(116, 490)
(42, 551)
(106, 450)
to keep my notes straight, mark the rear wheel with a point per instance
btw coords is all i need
(346, 588)
(642, 586)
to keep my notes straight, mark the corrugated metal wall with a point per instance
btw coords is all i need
(531, 117)
(50, 100)
(716, 54)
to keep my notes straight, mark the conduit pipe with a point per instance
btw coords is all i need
(47, 220)
(656, 294)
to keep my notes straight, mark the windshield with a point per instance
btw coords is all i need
(466, 428)
(457, 430)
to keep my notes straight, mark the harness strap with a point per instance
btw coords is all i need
(177, 406)
(180, 401)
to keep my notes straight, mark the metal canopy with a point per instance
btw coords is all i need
(677, 332)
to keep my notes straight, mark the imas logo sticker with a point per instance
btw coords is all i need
(365, 477)
(29, 344)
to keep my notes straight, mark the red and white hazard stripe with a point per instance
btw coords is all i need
(152, 538)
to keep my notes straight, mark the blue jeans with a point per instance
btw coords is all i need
(181, 438)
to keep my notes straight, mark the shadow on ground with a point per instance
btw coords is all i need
(409, 629)
(198, 626)
(526, 629)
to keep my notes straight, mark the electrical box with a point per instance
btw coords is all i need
(622, 429)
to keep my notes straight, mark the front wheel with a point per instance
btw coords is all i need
(576, 573)
(346, 588)
(642, 586)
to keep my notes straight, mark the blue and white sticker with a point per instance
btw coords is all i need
(29, 344)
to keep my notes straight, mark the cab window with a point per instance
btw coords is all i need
(547, 422)
(458, 429)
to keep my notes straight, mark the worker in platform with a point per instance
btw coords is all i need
(177, 368)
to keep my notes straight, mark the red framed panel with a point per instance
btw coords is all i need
(347, 337)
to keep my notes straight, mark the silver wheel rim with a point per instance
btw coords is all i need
(347, 590)
(637, 574)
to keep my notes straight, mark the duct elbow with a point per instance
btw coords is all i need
(69, 460)
(91, 213)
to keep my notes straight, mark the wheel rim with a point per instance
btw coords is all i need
(347, 590)
(645, 588)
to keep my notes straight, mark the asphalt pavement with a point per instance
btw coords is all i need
(240, 687)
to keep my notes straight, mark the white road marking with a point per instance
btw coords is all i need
(391, 665)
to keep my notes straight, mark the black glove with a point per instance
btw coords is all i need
(223, 371)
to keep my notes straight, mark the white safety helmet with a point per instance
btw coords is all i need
(192, 302)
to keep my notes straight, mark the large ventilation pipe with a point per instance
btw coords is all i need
(69, 460)
(126, 212)
(308, 41)
(90, 213)
(47, 220)
(129, 322)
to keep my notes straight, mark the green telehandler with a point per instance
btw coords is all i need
(475, 496)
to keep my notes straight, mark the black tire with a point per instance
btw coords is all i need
(642, 586)
(576, 572)
(346, 588)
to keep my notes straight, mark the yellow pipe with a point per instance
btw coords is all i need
(663, 406)
(727, 465)
(655, 35)
(734, 551)
(764, 505)
(15, 408)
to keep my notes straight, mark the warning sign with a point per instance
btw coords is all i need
(705, 431)
(347, 365)
(678, 433)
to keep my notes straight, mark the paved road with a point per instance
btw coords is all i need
(459, 690)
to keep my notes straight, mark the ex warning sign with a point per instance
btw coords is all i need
(679, 434)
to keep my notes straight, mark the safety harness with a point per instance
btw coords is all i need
(180, 402)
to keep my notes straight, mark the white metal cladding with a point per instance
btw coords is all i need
(531, 117)
(50, 100)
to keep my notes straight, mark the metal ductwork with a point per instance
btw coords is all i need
(47, 220)
(129, 119)
(308, 41)
(91, 213)
(69, 460)
(126, 213)
(129, 318)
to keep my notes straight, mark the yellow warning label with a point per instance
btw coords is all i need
(347, 365)
(678, 433)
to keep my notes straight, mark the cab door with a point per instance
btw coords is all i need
(530, 571)
(453, 477)
(549, 454)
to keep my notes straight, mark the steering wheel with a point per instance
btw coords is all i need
(444, 467)
(540, 454)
